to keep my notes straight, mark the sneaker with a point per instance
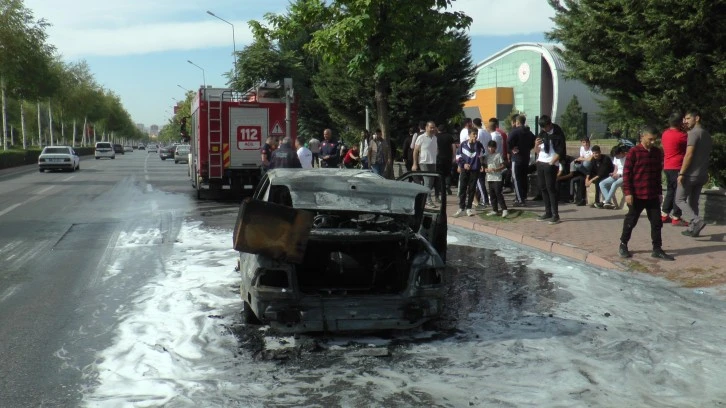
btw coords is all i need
(491, 213)
(448, 191)
(470, 212)
(658, 253)
(459, 213)
(609, 206)
(678, 222)
(581, 203)
(696, 231)
(544, 217)
(623, 251)
(555, 220)
(666, 218)
(599, 204)
(481, 206)
(505, 213)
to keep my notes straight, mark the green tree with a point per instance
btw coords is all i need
(374, 38)
(338, 83)
(572, 122)
(24, 56)
(650, 56)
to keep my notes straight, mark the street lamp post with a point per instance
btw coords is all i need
(234, 43)
(183, 88)
(496, 92)
(204, 76)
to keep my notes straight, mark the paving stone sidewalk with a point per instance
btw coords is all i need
(592, 235)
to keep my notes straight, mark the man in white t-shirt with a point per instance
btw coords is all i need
(610, 184)
(550, 148)
(304, 154)
(424, 155)
(496, 136)
(483, 136)
(464, 133)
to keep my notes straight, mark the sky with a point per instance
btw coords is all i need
(140, 48)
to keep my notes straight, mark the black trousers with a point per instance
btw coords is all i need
(669, 201)
(467, 188)
(520, 180)
(547, 180)
(652, 209)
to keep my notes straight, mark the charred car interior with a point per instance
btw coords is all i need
(357, 253)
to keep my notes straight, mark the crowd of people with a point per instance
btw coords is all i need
(485, 162)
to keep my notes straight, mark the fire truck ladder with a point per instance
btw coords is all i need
(214, 124)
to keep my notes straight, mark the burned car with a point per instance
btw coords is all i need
(340, 250)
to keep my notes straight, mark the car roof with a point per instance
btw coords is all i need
(347, 189)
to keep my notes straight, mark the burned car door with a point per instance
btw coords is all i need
(434, 225)
(273, 230)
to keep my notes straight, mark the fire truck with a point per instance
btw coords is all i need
(228, 129)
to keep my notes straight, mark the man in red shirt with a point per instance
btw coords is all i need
(674, 149)
(643, 191)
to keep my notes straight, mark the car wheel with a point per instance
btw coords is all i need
(248, 316)
(113, 158)
(176, 161)
(41, 170)
(97, 158)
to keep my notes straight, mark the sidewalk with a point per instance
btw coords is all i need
(592, 235)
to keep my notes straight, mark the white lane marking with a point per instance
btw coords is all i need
(68, 178)
(146, 177)
(37, 196)
(8, 292)
(12, 207)
(154, 206)
(149, 188)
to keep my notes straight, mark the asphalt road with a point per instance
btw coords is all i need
(58, 232)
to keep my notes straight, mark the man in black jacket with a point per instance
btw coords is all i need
(521, 142)
(285, 157)
(550, 147)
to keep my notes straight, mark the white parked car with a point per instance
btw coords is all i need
(152, 148)
(104, 149)
(58, 158)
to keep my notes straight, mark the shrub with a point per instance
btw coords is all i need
(717, 165)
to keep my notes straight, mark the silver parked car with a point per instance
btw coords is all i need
(340, 250)
(181, 154)
(58, 158)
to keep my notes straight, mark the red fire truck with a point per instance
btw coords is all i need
(229, 128)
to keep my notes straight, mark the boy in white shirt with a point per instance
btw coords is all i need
(494, 169)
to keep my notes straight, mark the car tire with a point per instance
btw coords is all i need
(97, 158)
(176, 161)
(248, 316)
(113, 158)
(41, 170)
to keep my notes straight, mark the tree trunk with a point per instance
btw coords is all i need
(381, 93)
(50, 123)
(40, 128)
(22, 124)
(73, 142)
(4, 113)
(84, 140)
